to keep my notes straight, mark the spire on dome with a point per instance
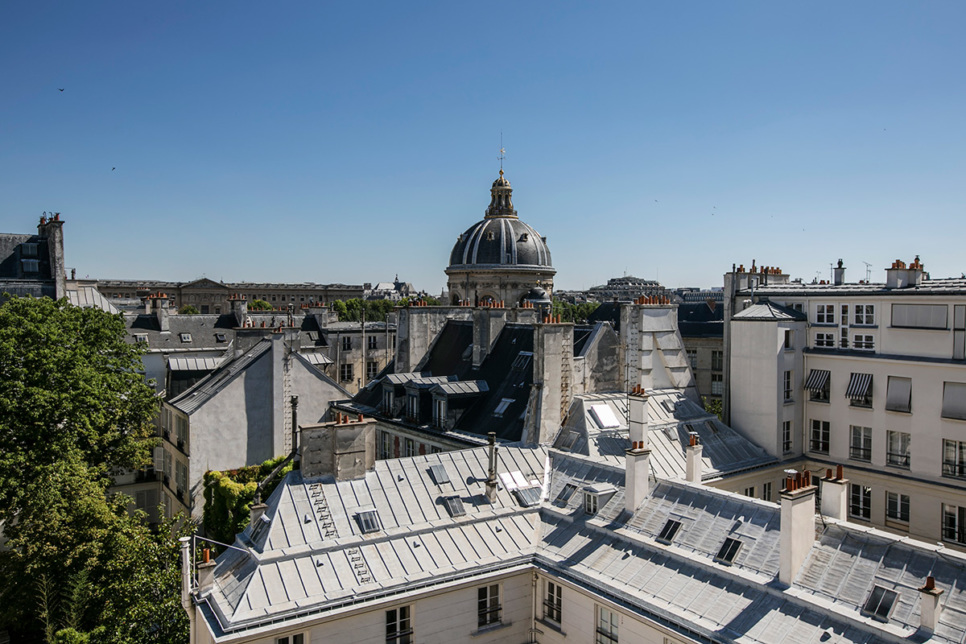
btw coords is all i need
(501, 204)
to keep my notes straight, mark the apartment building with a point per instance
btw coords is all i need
(870, 375)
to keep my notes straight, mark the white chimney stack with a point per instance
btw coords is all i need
(693, 463)
(929, 607)
(637, 472)
(637, 417)
(835, 497)
(797, 525)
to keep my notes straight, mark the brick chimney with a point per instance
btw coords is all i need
(206, 573)
(835, 497)
(797, 525)
(693, 459)
(929, 606)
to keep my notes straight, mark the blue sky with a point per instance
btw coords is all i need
(347, 142)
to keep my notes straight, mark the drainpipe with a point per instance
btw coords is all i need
(491, 474)
(186, 602)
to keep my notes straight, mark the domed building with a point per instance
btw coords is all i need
(500, 258)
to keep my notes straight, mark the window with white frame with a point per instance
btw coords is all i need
(412, 405)
(608, 623)
(298, 638)
(899, 394)
(385, 445)
(897, 506)
(825, 314)
(860, 501)
(860, 447)
(864, 342)
(826, 340)
(439, 411)
(789, 339)
(399, 625)
(865, 314)
(954, 459)
(553, 602)
(717, 384)
(181, 477)
(787, 437)
(898, 449)
(787, 387)
(489, 609)
(590, 503)
(749, 491)
(410, 447)
(820, 436)
(345, 372)
(954, 524)
(766, 491)
(387, 399)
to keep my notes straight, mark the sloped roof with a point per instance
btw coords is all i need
(767, 310)
(90, 297)
(206, 388)
(671, 416)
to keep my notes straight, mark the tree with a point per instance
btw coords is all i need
(260, 305)
(74, 409)
(188, 309)
(714, 406)
(229, 496)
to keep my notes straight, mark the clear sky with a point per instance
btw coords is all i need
(350, 141)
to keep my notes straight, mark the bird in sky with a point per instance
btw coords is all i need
(60, 89)
(113, 169)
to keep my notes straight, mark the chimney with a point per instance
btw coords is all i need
(186, 575)
(257, 511)
(344, 448)
(637, 417)
(487, 324)
(161, 310)
(838, 274)
(53, 230)
(693, 466)
(797, 525)
(491, 473)
(239, 306)
(929, 606)
(637, 476)
(206, 572)
(835, 496)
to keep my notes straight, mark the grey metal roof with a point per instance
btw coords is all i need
(671, 416)
(459, 388)
(90, 297)
(942, 286)
(317, 358)
(194, 364)
(766, 310)
(206, 388)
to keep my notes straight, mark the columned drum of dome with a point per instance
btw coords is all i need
(500, 258)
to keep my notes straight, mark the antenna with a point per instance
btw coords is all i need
(868, 271)
(502, 151)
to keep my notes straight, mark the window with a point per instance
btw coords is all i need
(141, 338)
(488, 611)
(372, 369)
(954, 459)
(185, 337)
(412, 405)
(205, 309)
(590, 503)
(844, 315)
(954, 524)
(221, 337)
(789, 339)
(766, 491)
(787, 396)
(897, 506)
(399, 625)
(528, 496)
(797, 306)
(820, 436)
(864, 342)
(954, 400)
(729, 550)
(345, 372)
(28, 249)
(371, 342)
(897, 449)
(368, 521)
(859, 391)
(385, 445)
(825, 314)
(817, 384)
(181, 431)
(347, 343)
(387, 399)
(181, 477)
(500, 408)
(717, 384)
(899, 394)
(749, 491)
(440, 474)
(825, 340)
(669, 531)
(31, 265)
(607, 624)
(553, 603)
(787, 436)
(410, 447)
(693, 358)
(294, 639)
(860, 448)
(565, 493)
(717, 360)
(860, 501)
(865, 314)
(920, 316)
(454, 505)
(880, 603)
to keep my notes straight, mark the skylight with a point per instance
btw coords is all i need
(729, 549)
(528, 496)
(569, 440)
(504, 403)
(880, 603)
(565, 494)
(669, 531)
(440, 475)
(221, 337)
(604, 416)
(454, 505)
(369, 521)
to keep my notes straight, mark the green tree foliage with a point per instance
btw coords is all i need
(375, 310)
(573, 312)
(714, 406)
(229, 496)
(188, 309)
(74, 409)
(259, 305)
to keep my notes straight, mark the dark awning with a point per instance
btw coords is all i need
(817, 380)
(859, 385)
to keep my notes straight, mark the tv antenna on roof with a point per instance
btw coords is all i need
(868, 271)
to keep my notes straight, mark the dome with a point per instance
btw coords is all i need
(501, 238)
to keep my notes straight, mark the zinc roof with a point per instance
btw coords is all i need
(214, 382)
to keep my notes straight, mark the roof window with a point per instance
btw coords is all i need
(185, 337)
(504, 403)
(669, 531)
(454, 505)
(529, 496)
(141, 338)
(221, 337)
(729, 550)
(604, 416)
(440, 475)
(565, 494)
(369, 521)
(880, 603)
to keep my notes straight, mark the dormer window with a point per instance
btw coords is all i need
(387, 400)
(590, 503)
(31, 265)
(525, 237)
(28, 249)
(221, 337)
(489, 235)
(141, 338)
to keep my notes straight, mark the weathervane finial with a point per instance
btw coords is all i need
(502, 152)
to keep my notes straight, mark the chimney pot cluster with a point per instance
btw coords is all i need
(653, 299)
(638, 390)
(492, 305)
(551, 319)
(761, 270)
(799, 481)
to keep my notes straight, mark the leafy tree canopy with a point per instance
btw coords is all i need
(188, 309)
(260, 305)
(229, 496)
(569, 312)
(375, 310)
(74, 408)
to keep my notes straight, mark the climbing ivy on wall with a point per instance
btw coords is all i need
(229, 496)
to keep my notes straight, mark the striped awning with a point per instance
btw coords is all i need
(817, 380)
(859, 385)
